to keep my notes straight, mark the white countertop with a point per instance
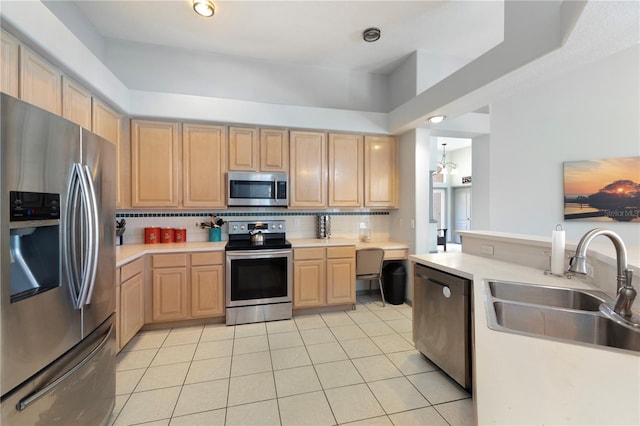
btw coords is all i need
(127, 253)
(527, 380)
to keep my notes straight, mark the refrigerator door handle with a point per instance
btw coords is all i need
(94, 235)
(88, 231)
(70, 242)
(33, 397)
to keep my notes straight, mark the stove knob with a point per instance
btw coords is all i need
(273, 226)
(235, 227)
(242, 227)
(280, 226)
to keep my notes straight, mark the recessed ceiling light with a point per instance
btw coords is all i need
(371, 34)
(436, 119)
(204, 8)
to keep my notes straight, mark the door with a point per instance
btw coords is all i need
(462, 210)
(36, 151)
(98, 159)
(77, 389)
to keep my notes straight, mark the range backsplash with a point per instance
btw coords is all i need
(299, 224)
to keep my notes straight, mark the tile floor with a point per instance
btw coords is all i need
(349, 367)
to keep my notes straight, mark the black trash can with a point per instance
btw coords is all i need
(394, 283)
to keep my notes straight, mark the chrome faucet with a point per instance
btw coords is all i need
(626, 292)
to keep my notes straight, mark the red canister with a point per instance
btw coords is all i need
(180, 235)
(167, 235)
(151, 235)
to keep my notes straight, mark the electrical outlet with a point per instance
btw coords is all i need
(487, 249)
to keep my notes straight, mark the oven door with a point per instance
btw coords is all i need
(258, 277)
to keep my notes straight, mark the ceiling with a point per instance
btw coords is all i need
(311, 33)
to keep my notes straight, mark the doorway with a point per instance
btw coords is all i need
(462, 210)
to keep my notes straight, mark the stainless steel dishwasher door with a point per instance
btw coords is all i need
(441, 321)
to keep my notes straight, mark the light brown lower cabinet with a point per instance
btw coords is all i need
(341, 275)
(129, 301)
(187, 285)
(323, 276)
(207, 284)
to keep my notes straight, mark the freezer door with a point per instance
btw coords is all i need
(36, 151)
(78, 389)
(98, 162)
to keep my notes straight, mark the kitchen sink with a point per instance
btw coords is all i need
(557, 313)
(577, 326)
(549, 296)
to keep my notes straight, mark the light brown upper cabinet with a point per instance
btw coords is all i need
(40, 83)
(9, 80)
(345, 170)
(155, 149)
(243, 149)
(76, 103)
(108, 124)
(274, 150)
(203, 161)
(258, 150)
(380, 172)
(308, 169)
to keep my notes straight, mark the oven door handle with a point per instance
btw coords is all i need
(259, 253)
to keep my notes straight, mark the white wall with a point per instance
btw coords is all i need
(481, 183)
(219, 76)
(590, 113)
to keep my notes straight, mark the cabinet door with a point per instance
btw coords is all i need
(341, 281)
(345, 170)
(243, 149)
(40, 83)
(9, 78)
(380, 172)
(154, 164)
(274, 150)
(169, 289)
(203, 165)
(308, 169)
(107, 124)
(131, 308)
(76, 103)
(207, 291)
(308, 283)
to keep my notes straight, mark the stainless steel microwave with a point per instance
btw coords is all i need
(257, 189)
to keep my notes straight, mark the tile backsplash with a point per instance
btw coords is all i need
(299, 224)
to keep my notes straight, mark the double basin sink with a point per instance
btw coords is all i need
(557, 313)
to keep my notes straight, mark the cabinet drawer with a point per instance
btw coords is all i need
(208, 258)
(131, 269)
(308, 253)
(341, 252)
(396, 254)
(169, 260)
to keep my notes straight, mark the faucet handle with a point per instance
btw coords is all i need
(628, 277)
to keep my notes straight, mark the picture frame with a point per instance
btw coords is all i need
(604, 190)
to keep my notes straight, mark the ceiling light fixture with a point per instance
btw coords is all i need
(437, 119)
(444, 167)
(371, 34)
(204, 8)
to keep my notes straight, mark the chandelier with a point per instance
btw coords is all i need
(444, 167)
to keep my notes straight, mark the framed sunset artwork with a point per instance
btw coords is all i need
(602, 190)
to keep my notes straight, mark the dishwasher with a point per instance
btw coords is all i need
(442, 321)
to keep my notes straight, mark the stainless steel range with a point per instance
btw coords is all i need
(259, 272)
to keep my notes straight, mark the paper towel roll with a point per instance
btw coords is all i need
(557, 252)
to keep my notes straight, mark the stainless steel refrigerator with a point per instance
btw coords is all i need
(57, 292)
